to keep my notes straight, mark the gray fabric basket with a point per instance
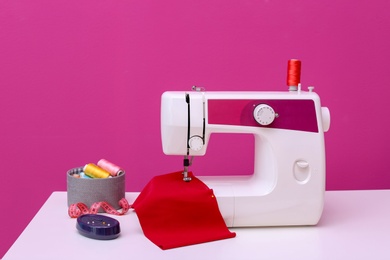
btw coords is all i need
(89, 191)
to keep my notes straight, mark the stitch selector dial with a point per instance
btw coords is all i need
(264, 114)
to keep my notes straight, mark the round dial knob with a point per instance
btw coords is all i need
(264, 114)
(196, 143)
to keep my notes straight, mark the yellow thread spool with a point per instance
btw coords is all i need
(95, 171)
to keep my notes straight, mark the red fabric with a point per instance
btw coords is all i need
(174, 213)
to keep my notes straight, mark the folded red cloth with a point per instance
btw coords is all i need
(175, 213)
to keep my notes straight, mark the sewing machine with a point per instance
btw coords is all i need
(288, 183)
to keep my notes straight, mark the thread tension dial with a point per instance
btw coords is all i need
(196, 143)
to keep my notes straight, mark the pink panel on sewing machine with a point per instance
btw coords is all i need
(292, 114)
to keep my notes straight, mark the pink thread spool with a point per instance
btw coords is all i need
(113, 169)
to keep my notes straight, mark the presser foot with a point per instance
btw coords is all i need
(186, 178)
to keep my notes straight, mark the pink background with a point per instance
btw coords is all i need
(82, 80)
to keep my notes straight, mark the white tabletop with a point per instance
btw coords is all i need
(354, 225)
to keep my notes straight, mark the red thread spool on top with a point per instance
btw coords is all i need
(293, 72)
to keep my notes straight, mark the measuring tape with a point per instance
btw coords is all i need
(77, 209)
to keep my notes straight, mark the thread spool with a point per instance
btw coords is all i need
(84, 176)
(95, 171)
(113, 169)
(293, 73)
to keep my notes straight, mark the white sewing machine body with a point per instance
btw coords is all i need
(288, 183)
